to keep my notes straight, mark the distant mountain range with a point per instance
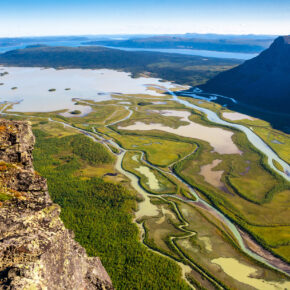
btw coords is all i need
(260, 41)
(245, 44)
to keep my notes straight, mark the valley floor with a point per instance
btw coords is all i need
(161, 202)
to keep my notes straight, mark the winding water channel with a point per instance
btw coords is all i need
(146, 208)
(145, 205)
(252, 137)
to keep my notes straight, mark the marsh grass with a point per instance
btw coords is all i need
(278, 165)
(100, 214)
(158, 151)
(165, 184)
(252, 185)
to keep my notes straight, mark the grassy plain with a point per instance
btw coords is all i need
(99, 212)
(252, 196)
(278, 165)
(211, 241)
(132, 161)
(187, 232)
(277, 140)
(158, 151)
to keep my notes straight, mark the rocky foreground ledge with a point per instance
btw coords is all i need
(36, 250)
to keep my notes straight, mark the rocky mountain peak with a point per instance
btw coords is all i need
(282, 40)
(261, 83)
(278, 53)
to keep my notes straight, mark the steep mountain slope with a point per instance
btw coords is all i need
(36, 250)
(262, 82)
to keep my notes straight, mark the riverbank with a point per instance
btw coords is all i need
(154, 215)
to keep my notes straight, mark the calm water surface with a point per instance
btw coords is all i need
(29, 87)
(205, 53)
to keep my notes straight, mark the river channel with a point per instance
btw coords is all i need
(146, 208)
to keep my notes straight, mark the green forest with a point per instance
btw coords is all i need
(182, 69)
(100, 213)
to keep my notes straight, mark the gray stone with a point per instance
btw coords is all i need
(36, 250)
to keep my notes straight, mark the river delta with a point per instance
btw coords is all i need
(198, 170)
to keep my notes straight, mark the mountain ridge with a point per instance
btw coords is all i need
(263, 81)
(182, 69)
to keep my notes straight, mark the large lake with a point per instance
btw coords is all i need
(50, 43)
(29, 86)
(205, 53)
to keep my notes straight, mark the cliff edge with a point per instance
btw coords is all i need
(36, 250)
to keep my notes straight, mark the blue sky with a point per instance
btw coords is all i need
(84, 17)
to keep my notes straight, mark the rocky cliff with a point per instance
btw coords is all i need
(36, 250)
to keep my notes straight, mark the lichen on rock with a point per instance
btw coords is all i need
(36, 250)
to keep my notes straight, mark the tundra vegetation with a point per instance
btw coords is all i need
(100, 212)
(98, 202)
(277, 140)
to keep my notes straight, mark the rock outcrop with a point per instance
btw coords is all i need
(36, 250)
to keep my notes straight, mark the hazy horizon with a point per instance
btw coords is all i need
(113, 17)
(142, 34)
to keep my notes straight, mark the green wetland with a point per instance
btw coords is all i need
(163, 209)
